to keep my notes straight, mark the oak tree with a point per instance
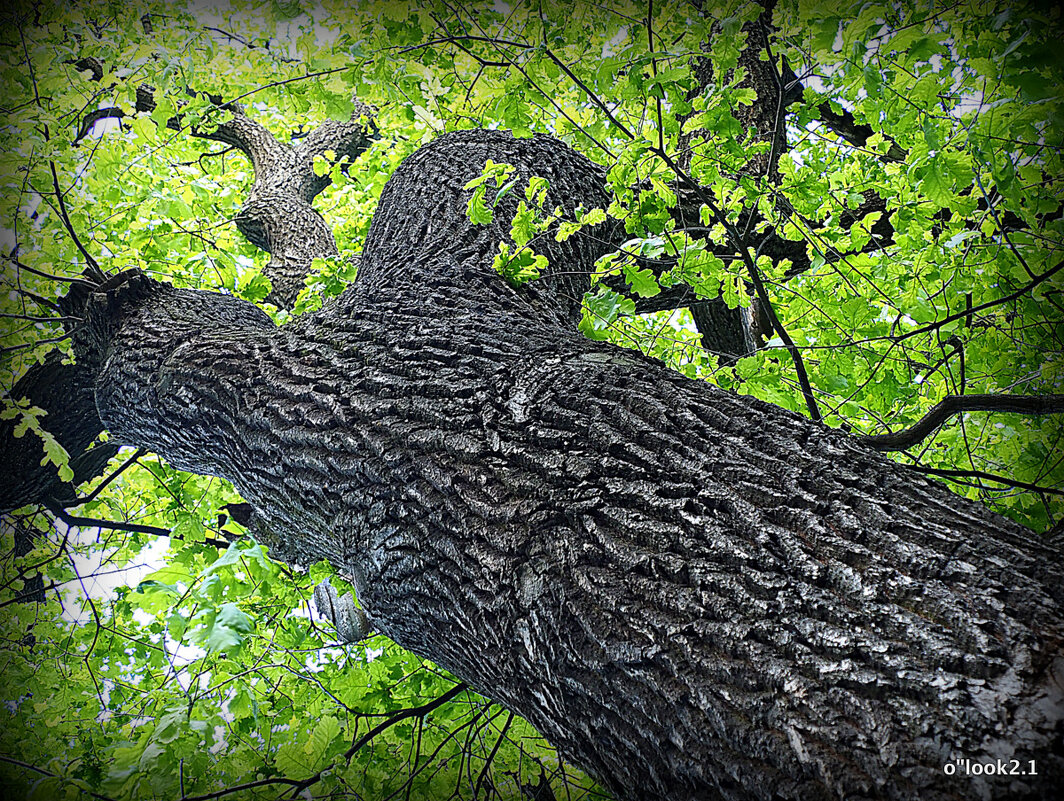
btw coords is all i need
(572, 342)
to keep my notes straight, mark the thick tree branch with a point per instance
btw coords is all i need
(277, 215)
(121, 525)
(955, 404)
(65, 392)
(842, 122)
(482, 471)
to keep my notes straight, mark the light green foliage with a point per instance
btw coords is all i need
(202, 670)
(602, 308)
(498, 177)
(29, 419)
(518, 267)
(516, 261)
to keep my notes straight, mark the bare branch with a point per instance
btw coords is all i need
(491, 756)
(843, 123)
(43, 772)
(95, 522)
(96, 272)
(989, 304)
(121, 525)
(1009, 482)
(594, 98)
(103, 484)
(954, 404)
(384, 725)
(736, 241)
(60, 278)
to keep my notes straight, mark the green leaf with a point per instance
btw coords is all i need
(536, 191)
(642, 282)
(477, 209)
(520, 267)
(221, 629)
(746, 96)
(602, 308)
(325, 733)
(152, 596)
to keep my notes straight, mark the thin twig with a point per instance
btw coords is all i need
(491, 756)
(417, 711)
(44, 772)
(103, 484)
(20, 266)
(969, 310)
(1011, 482)
(755, 278)
(591, 95)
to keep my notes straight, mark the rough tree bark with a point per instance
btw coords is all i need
(734, 333)
(691, 593)
(277, 217)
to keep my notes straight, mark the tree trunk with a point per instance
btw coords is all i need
(691, 593)
(277, 217)
(733, 333)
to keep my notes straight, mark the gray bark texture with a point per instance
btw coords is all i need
(734, 333)
(66, 392)
(277, 217)
(692, 594)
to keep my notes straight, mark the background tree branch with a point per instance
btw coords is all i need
(958, 404)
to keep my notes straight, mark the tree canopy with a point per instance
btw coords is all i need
(875, 196)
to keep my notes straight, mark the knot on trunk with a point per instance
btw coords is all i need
(104, 309)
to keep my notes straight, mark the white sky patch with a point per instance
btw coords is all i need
(839, 41)
(100, 579)
(889, 315)
(103, 126)
(682, 322)
(814, 82)
(210, 11)
(8, 241)
(30, 205)
(610, 47)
